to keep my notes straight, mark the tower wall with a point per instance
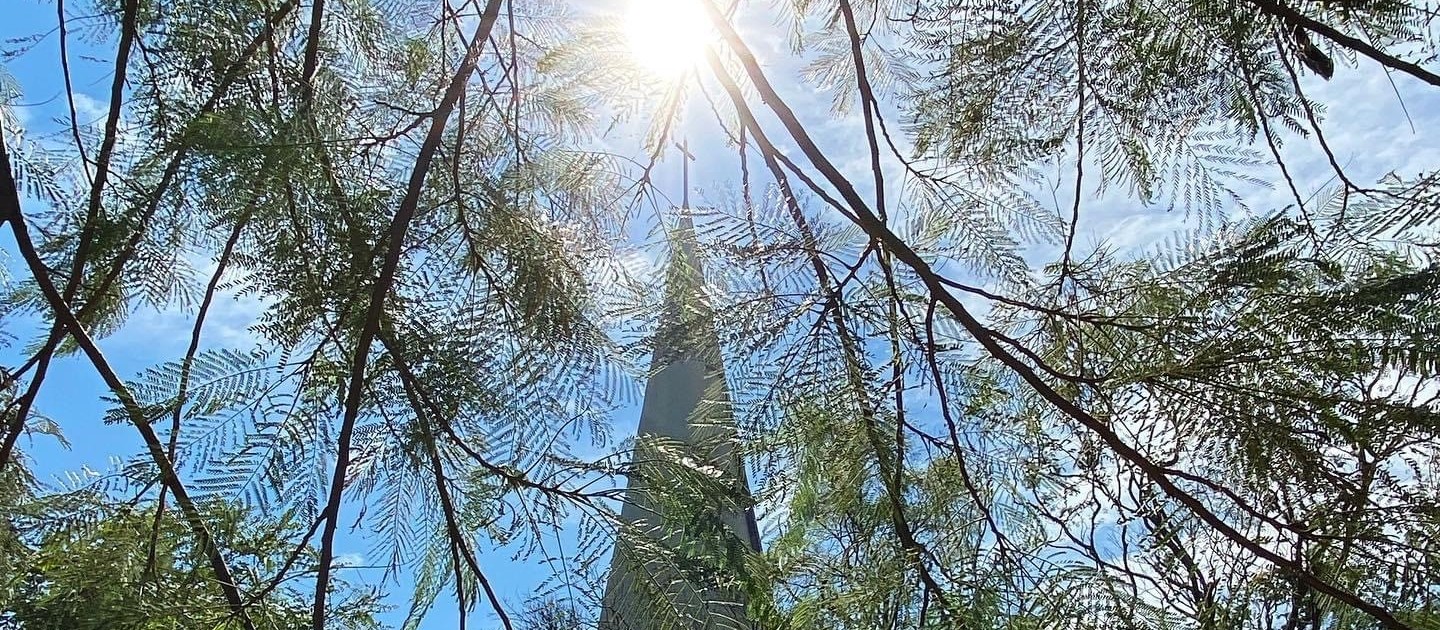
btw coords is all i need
(686, 518)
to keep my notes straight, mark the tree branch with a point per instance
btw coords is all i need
(395, 238)
(866, 220)
(10, 209)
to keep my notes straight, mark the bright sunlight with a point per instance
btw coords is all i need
(667, 37)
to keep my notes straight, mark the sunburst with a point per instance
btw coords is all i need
(667, 38)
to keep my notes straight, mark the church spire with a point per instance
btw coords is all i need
(687, 521)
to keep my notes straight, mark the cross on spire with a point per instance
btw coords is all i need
(686, 157)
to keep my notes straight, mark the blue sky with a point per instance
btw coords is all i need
(1372, 127)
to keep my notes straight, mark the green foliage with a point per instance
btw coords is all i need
(950, 411)
(132, 568)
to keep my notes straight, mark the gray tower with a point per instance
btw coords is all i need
(687, 520)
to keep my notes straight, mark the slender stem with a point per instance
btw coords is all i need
(395, 246)
(187, 365)
(1275, 8)
(10, 209)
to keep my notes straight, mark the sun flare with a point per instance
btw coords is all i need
(667, 37)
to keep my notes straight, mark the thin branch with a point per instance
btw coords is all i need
(1275, 8)
(10, 209)
(395, 238)
(187, 365)
(1079, 145)
(70, 89)
(869, 105)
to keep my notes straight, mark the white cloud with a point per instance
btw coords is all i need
(88, 110)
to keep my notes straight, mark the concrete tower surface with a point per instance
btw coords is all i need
(687, 521)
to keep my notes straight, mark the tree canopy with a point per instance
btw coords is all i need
(409, 257)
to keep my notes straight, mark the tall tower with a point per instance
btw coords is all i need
(687, 520)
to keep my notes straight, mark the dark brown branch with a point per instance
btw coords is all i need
(312, 53)
(867, 221)
(869, 105)
(70, 88)
(395, 245)
(1274, 8)
(428, 416)
(10, 209)
(890, 470)
(117, 266)
(1079, 145)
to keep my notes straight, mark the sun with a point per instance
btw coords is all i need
(667, 38)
